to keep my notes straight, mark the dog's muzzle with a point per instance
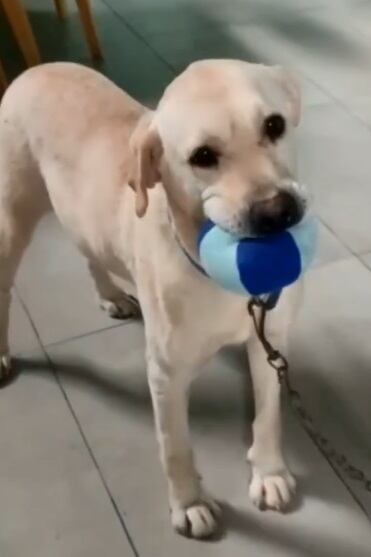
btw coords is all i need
(275, 214)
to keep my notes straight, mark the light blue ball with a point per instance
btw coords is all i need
(260, 265)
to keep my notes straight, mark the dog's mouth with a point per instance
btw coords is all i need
(277, 213)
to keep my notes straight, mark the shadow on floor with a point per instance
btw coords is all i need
(299, 542)
(208, 414)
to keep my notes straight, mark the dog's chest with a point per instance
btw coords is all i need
(186, 303)
(218, 317)
(201, 318)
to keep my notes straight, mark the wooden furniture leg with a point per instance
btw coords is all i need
(18, 21)
(60, 6)
(89, 28)
(3, 80)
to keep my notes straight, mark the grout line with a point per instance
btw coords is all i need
(173, 69)
(351, 253)
(333, 232)
(363, 263)
(331, 96)
(218, 24)
(54, 371)
(122, 323)
(139, 36)
(337, 101)
(89, 333)
(332, 466)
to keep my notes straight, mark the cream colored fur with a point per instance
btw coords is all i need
(71, 140)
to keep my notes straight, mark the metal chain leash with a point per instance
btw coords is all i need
(257, 309)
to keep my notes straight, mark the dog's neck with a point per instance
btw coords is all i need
(186, 216)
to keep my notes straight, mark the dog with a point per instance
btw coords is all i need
(132, 186)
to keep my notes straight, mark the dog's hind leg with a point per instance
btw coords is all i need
(23, 200)
(112, 299)
(15, 234)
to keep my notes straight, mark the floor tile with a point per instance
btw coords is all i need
(55, 285)
(21, 334)
(163, 16)
(334, 154)
(202, 43)
(360, 106)
(329, 248)
(320, 43)
(53, 501)
(252, 11)
(331, 357)
(359, 102)
(104, 377)
(312, 94)
(360, 17)
(154, 18)
(366, 258)
(225, 41)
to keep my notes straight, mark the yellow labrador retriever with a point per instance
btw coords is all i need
(220, 144)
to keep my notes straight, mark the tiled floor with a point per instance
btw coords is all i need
(79, 473)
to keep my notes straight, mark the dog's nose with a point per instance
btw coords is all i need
(275, 214)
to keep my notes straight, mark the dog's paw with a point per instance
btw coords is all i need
(5, 369)
(199, 520)
(271, 491)
(126, 307)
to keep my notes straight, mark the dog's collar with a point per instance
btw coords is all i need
(269, 300)
(183, 249)
(190, 258)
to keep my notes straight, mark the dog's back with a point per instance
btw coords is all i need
(64, 134)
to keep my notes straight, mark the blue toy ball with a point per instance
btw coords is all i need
(260, 265)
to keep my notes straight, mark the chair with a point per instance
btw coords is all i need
(20, 25)
(3, 80)
(87, 21)
(60, 6)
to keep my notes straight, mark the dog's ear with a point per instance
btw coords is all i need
(292, 90)
(145, 154)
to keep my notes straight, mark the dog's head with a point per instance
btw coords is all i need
(222, 137)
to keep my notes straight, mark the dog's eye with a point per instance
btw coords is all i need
(204, 157)
(274, 127)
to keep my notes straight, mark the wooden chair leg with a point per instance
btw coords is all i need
(3, 80)
(22, 30)
(89, 28)
(60, 6)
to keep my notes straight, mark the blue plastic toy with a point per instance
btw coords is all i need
(260, 265)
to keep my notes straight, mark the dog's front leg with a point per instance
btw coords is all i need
(192, 512)
(272, 483)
